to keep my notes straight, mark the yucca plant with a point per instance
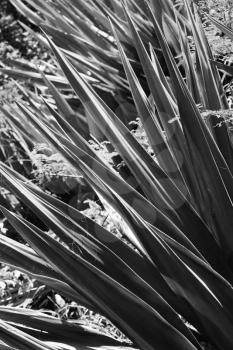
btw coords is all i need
(82, 30)
(172, 281)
